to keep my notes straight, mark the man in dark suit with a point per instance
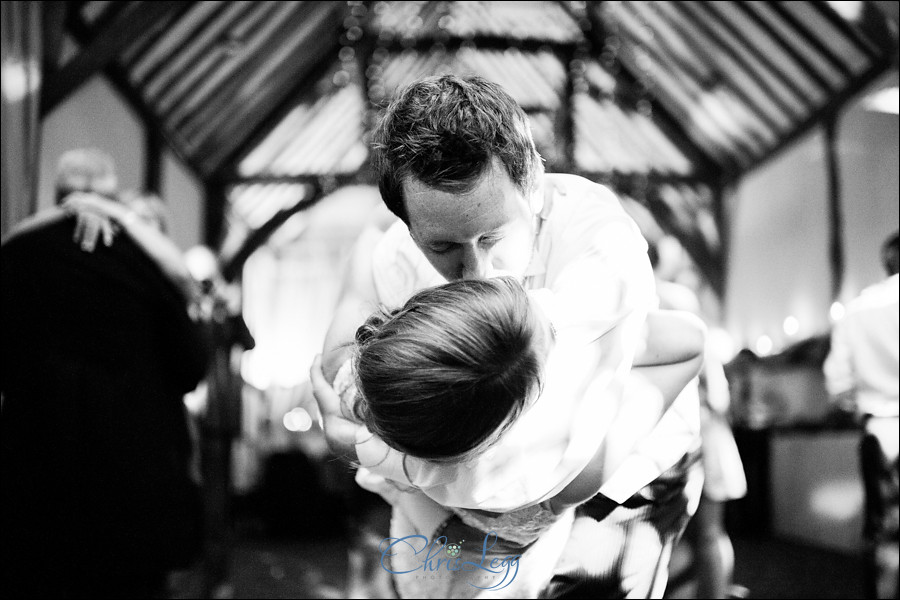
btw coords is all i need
(98, 351)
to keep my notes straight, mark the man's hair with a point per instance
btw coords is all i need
(445, 131)
(84, 170)
(890, 253)
(445, 375)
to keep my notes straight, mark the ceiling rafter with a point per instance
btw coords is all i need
(835, 103)
(155, 31)
(838, 22)
(118, 76)
(103, 48)
(233, 264)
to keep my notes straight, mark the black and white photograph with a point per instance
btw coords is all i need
(450, 299)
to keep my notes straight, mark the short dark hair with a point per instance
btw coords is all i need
(890, 253)
(445, 131)
(442, 377)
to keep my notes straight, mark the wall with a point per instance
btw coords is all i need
(778, 264)
(95, 115)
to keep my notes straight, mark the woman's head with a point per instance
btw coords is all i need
(442, 377)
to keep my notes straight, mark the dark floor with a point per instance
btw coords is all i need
(316, 567)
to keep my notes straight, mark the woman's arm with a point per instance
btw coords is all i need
(35, 221)
(153, 242)
(672, 337)
(671, 360)
(340, 432)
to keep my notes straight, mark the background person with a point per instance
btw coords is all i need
(98, 351)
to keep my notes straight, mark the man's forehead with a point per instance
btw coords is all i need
(491, 204)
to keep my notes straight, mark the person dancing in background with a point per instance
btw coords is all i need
(98, 351)
(862, 375)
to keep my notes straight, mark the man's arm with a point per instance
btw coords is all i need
(357, 301)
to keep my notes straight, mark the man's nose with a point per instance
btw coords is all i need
(476, 263)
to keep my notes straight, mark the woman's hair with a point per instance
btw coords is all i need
(445, 131)
(445, 375)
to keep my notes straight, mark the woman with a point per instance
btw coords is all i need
(141, 216)
(459, 368)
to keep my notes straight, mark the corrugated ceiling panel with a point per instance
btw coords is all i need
(828, 34)
(323, 137)
(772, 107)
(544, 21)
(179, 106)
(544, 135)
(763, 55)
(600, 143)
(93, 11)
(254, 204)
(282, 58)
(535, 80)
(170, 47)
(820, 65)
(198, 54)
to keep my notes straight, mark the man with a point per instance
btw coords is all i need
(98, 351)
(862, 375)
(456, 163)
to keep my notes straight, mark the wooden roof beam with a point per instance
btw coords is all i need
(102, 49)
(118, 77)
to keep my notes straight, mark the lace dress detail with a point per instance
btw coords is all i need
(522, 526)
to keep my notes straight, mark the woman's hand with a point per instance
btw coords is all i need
(94, 218)
(340, 433)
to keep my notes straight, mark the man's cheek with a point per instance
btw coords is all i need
(512, 255)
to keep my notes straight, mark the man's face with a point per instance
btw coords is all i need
(475, 234)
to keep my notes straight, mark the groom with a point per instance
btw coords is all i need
(456, 163)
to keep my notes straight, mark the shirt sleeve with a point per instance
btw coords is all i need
(399, 269)
(838, 366)
(598, 271)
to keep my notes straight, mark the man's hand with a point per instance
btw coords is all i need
(340, 433)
